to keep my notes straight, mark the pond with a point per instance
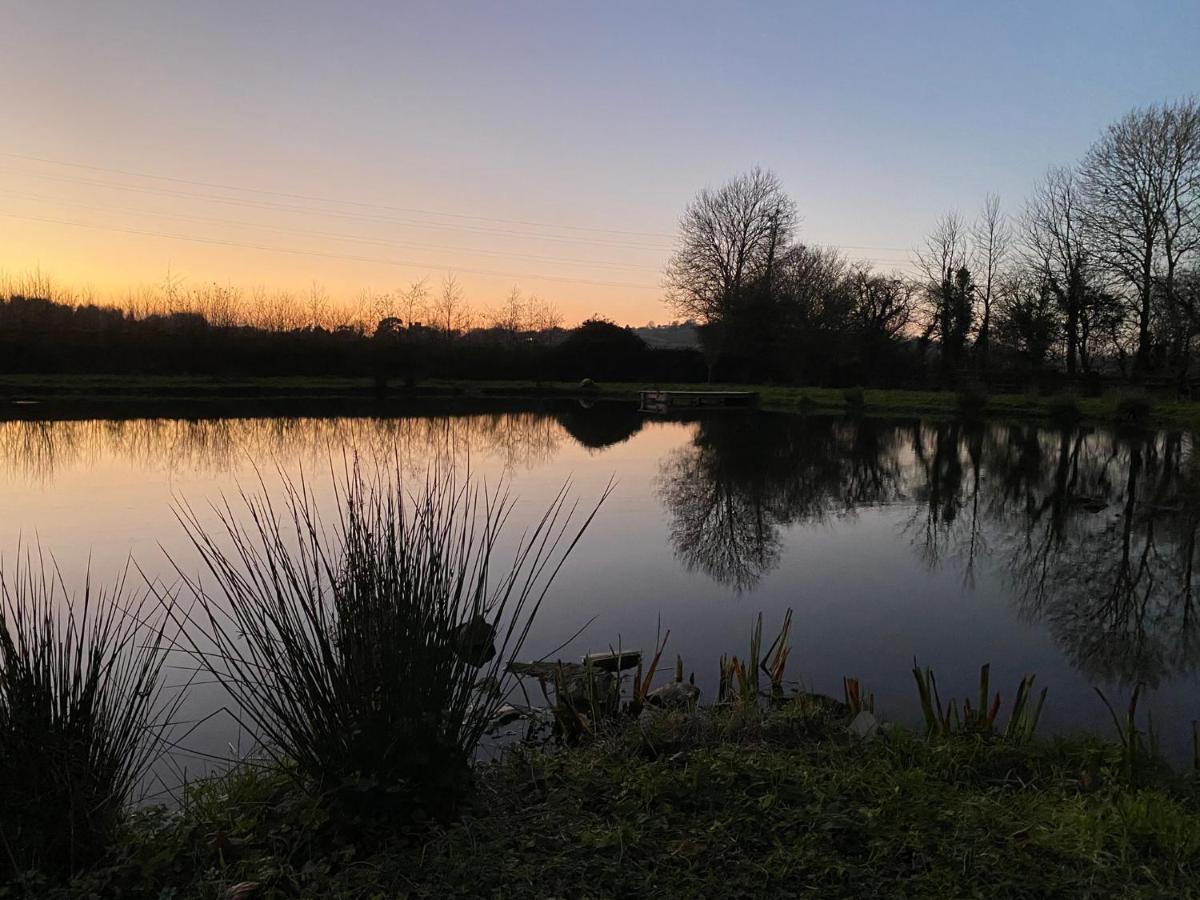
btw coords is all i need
(1068, 552)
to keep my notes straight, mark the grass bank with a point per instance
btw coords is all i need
(719, 803)
(26, 395)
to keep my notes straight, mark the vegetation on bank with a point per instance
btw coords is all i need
(725, 802)
(1124, 406)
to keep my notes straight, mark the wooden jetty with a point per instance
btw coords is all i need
(665, 401)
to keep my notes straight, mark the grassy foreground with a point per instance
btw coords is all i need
(719, 803)
(47, 392)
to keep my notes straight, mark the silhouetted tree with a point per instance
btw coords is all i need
(601, 349)
(991, 237)
(949, 290)
(729, 240)
(1028, 318)
(1142, 184)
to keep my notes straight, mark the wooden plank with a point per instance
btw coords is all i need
(661, 401)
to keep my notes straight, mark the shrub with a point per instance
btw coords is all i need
(972, 399)
(80, 718)
(370, 655)
(1132, 408)
(1063, 408)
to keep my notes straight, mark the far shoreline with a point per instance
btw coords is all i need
(50, 396)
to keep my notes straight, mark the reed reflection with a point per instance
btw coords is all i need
(38, 451)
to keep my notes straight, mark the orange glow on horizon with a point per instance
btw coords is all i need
(109, 267)
(107, 233)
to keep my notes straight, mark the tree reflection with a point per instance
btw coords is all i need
(743, 478)
(38, 450)
(601, 425)
(1111, 568)
(1094, 530)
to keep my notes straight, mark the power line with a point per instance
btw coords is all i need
(359, 203)
(601, 264)
(326, 255)
(378, 206)
(363, 217)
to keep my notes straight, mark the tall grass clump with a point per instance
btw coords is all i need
(80, 715)
(368, 651)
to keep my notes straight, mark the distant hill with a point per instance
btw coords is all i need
(682, 335)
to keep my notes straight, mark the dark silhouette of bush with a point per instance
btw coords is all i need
(48, 337)
(1063, 408)
(601, 349)
(1133, 409)
(972, 399)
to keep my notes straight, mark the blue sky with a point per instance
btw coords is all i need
(877, 117)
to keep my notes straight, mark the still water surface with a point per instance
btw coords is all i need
(1069, 552)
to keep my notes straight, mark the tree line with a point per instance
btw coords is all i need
(1097, 278)
(415, 337)
(1098, 275)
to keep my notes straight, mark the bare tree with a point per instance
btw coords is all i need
(318, 306)
(808, 277)
(729, 240)
(1141, 183)
(376, 306)
(509, 318)
(450, 313)
(949, 289)
(944, 250)
(883, 305)
(543, 317)
(1181, 222)
(414, 303)
(1056, 250)
(991, 237)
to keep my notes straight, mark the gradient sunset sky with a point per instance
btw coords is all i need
(546, 145)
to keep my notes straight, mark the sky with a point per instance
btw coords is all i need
(550, 146)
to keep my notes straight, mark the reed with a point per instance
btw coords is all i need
(82, 715)
(941, 721)
(1138, 747)
(739, 678)
(855, 698)
(370, 652)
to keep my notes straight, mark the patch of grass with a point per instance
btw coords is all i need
(93, 389)
(972, 399)
(1133, 408)
(80, 715)
(730, 802)
(1064, 408)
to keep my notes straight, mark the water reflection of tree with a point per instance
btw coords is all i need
(1115, 579)
(743, 478)
(602, 425)
(1097, 531)
(36, 451)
